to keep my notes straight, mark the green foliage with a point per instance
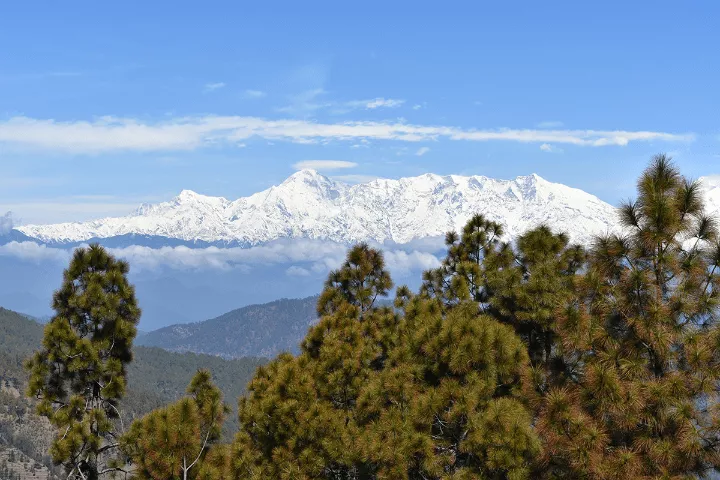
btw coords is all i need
(639, 354)
(173, 442)
(520, 286)
(377, 393)
(359, 282)
(79, 375)
(299, 419)
(535, 359)
(449, 403)
(527, 284)
(461, 277)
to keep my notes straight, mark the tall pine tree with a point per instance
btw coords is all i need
(359, 282)
(520, 285)
(640, 345)
(449, 402)
(79, 374)
(299, 418)
(462, 275)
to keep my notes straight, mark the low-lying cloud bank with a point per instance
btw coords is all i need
(304, 256)
(6, 223)
(190, 133)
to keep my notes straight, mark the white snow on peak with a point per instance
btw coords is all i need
(711, 190)
(311, 205)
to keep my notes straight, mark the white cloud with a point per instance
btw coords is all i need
(295, 271)
(211, 87)
(402, 263)
(303, 256)
(324, 164)
(310, 255)
(190, 133)
(286, 251)
(546, 147)
(417, 107)
(422, 151)
(369, 104)
(550, 124)
(31, 251)
(254, 93)
(383, 103)
(6, 223)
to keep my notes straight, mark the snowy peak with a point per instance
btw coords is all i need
(187, 196)
(710, 182)
(711, 190)
(309, 182)
(311, 205)
(193, 198)
(307, 176)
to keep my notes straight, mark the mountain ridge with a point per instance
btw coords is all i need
(310, 205)
(258, 330)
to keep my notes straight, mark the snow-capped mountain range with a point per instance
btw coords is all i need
(311, 205)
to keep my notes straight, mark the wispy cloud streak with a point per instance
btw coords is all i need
(211, 87)
(108, 134)
(324, 164)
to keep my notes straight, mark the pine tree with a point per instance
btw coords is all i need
(174, 442)
(526, 285)
(449, 403)
(640, 345)
(520, 285)
(461, 277)
(298, 420)
(79, 375)
(360, 281)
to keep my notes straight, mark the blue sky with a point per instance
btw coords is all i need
(104, 106)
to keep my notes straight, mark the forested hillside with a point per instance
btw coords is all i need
(256, 330)
(155, 377)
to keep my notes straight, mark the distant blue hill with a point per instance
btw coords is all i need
(256, 330)
(15, 236)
